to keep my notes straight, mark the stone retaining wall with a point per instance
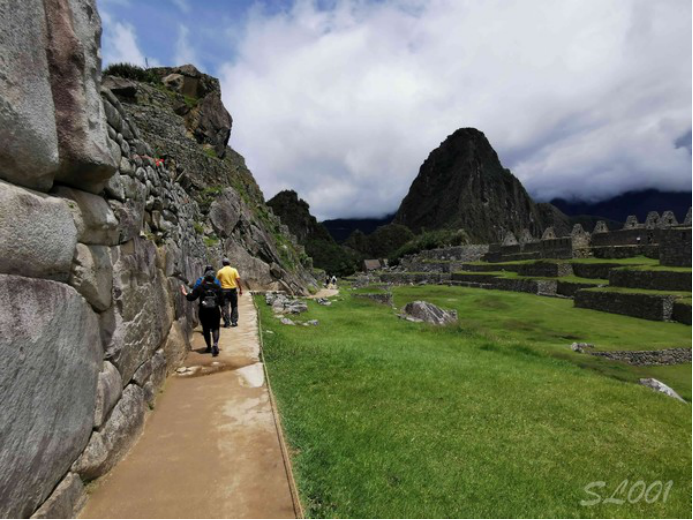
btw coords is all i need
(639, 305)
(547, 269)
(669, 356)
(569, 289)
(600, 271)
(656, 280)
(399, 278)
(682, 312)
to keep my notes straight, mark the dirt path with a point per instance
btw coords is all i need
(325, 293)
(211, 447)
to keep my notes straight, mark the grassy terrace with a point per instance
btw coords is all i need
(656, 268)
(514, 275)
(635, 260)
(494, 417)
(628, 290)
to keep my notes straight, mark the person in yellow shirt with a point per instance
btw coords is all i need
(232, 289)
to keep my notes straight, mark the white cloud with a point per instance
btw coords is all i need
(185, 53)
(579, 97)
(120, 44)
(183, 5)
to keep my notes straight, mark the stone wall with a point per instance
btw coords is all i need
(97, 237)
(675, 247)
(655, 280)
(467, 253)
(639, 305)
(669, 356)
(592, 270)
(682, 312)
(633, 240)
(568, 289)
(402, 278)
(548, 269)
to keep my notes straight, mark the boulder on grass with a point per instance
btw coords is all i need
(425, 312)
(658, 386)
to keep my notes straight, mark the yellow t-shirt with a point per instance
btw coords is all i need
(228, 275)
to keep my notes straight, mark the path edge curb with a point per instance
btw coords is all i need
(288, 467)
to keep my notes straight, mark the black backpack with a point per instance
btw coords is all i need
(210, 296)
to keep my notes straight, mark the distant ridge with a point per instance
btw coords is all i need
(637, 203)
(341, 228)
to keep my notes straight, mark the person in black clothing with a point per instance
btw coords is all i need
(211, 299)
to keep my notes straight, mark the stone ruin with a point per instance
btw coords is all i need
(660, 237)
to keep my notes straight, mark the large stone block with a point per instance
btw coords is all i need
(141, 315)
(92, 275)
(108, 445)
(94, 219)
(37, 234)
(74, 34)
(177, 345)
(28, 139)
(66, 501)
(130, 213)
(51, 355)
(108, 391)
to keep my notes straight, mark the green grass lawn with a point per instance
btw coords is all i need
(387, 418)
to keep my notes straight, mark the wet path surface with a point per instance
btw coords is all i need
(211, 448)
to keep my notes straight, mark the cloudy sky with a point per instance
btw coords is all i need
(342, 100)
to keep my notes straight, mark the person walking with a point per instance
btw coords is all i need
(231, 289)
(211, 299)
(201, 278)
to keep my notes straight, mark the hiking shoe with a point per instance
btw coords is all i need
(234, 324)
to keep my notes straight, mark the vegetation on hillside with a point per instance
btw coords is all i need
(133, 72)
(382, 242)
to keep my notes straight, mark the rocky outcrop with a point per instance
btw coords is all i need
(462, 184)
(51, 351)
(233, 219)
(205, 116)
(295, 213)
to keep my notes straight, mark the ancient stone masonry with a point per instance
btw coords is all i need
(658, 236)
(669, 356)
(98, 230)
(654, 280)
(675, 246)
(682, 312)
(659, 307)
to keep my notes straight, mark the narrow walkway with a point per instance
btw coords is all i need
(210, 449)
